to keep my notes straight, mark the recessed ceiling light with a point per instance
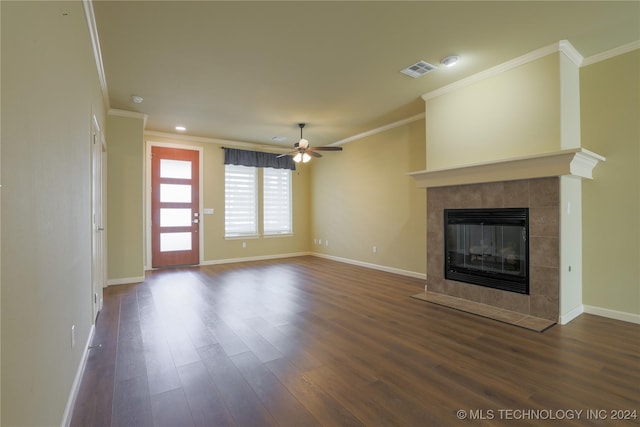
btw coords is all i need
(450, 61)
(137, 99)
(181, 128)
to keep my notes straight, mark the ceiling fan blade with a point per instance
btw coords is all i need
(314, 154)
(287, 154)
(328, 148)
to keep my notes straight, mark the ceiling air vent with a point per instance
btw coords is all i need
(418, 69)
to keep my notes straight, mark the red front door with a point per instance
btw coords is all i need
(175, 208)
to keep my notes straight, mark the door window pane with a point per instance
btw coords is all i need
(170, 242)
(175, 169)
(175, 217)
(175, 193)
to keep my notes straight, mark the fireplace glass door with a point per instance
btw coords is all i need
(488, 247)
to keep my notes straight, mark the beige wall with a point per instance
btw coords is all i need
(362, 198)
(219, 249)
(610, 106)
(396, 215)
(50, 90)
(125, 184)
(520, 112)
(512, 114)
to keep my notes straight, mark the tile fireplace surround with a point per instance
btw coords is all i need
(542, 197)
(539, 182)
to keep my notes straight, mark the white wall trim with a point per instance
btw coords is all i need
(571, 52)
(97, 53)
(373, 266)
(125, 280)
(613, 314)
(561, 46)
(568, 317)
(380, 129)
(254, 258)
(75, 387)
(620, 50)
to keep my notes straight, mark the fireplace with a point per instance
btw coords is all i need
(488, 247)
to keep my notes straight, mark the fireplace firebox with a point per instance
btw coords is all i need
(488, 247)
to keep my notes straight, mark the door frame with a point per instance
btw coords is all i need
(147, 193)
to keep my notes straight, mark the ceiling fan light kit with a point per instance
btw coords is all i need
(303, 151)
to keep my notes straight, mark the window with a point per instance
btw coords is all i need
(276, 186)
(240, 201)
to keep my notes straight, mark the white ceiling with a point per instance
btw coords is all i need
(249, 71)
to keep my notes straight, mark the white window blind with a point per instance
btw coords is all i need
(240, 201)
(277, 201)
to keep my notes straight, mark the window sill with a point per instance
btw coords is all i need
(271, 236)
(242, 237)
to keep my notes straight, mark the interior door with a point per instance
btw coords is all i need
(175, 207)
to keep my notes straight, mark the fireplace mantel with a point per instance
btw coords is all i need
(577, 162)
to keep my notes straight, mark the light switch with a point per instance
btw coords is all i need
(208, 211)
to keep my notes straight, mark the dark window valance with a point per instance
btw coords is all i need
(257, 159)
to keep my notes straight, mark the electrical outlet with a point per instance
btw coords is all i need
(244, 245)
(425, 288)
(73, 336)
(326, 243)
(375, 249)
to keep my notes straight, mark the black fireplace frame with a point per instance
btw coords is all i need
(491, 216)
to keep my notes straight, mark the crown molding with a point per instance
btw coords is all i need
(253, 146)
(150, 134)
(380, 129)
(620, 50)
(562, 46)
(97, 53)
(571, 52)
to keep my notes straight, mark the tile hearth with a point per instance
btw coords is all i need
(511, 317)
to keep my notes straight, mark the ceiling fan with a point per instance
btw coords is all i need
(303, 151)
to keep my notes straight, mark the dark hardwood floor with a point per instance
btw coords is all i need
(308, 341)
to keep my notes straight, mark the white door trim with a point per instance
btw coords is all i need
(98, 236)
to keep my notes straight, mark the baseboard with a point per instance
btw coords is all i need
(373, 266)
(125, 281)
(254, 258)
(568, 317)
(68, 410)
(613, 314)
